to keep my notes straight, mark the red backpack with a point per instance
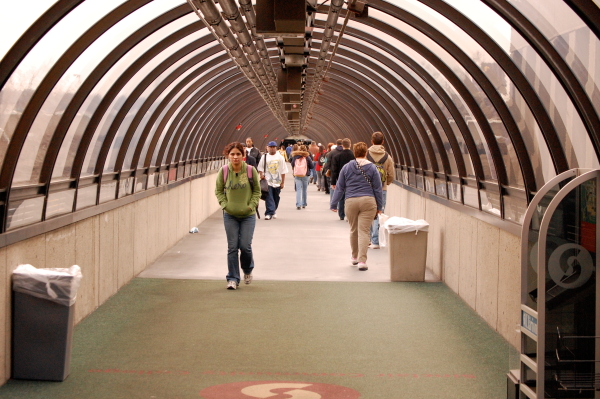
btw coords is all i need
(300, 167)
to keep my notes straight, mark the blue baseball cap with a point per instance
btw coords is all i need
(272, 144)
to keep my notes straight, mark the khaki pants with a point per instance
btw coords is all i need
(360, 212)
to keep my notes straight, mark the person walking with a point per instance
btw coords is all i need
(252, 150)
(340, 158)
(326, 171)
(273, 168)
(283, 153)
(313, 149)
(360, 182)
(320, 161)
(238, 198)
(301, 166)
(385, 166)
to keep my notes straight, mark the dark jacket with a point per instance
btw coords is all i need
(352, 183)
(338, 160)
(255, 153)
(250, 160)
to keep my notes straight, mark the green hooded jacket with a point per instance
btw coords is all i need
(236, 196)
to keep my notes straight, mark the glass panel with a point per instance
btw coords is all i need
(73, 137)
(86, 196)
(60, 203)
(404, 177)
(152, 180)
(440, 188)
(125, 125)
(571, 37)
(533, 237)
(188, 169)
(514, 209)
(126, 186)
(574, 33)
(107, 120)
(471, 196)
(162, 179)
(480, 56)
(454, 192)
(430, 184)
(23, 212)
(40, 134)
(175, 96)
(16, 18)
(490, 202)
(570, 294)
(420, 184)
(108, 191)
(23, 82)
(412, 178)
(140, 182)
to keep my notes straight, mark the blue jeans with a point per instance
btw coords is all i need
(239, 240)
(341, 205)
(272, 201)
(375, 225)
(301, 190)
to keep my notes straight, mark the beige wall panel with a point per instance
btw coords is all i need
(195, 202)
(487, 272)
(140, 236)
(187, 216)
(31, 251)
(107, 276)
(172, 211)
(509, 287)
(208, 192)
(153, 249)
(467, 279)
(435, 216)
(452, 263)
(394, 201)
(124, 260)
(85, 257)
(212, 202)
(163, 222)
(5, 325)
(60, 247)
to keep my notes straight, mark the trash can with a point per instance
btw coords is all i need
(42, 322)
(407, 244)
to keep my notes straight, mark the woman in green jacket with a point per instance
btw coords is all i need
(239, 200)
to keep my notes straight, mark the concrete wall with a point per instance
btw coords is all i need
(478, 261)
(111, 248)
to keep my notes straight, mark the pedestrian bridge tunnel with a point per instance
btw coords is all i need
(114, 115)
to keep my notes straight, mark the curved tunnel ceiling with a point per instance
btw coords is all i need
(481, 101)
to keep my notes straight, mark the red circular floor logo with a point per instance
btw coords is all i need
(278, 390)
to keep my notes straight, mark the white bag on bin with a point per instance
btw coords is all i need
(397, 225)
(382, 232)
(58, 285)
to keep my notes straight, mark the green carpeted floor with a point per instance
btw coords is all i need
(175, 338)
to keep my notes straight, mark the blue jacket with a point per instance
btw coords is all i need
(353, 183)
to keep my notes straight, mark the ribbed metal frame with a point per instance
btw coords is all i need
(203, 117)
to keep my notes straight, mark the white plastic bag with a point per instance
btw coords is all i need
(397, 225)
(382, 231)
(57, 285)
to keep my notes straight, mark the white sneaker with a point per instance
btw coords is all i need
(268, 217)
(362, 266)
(274, 216)
(247, 278)
(374, 246)
(232, 285)
(354, 261)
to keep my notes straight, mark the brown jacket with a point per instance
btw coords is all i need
(377, 152)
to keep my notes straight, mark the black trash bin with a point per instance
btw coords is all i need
(42, 328)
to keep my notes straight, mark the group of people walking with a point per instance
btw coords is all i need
(356, 180)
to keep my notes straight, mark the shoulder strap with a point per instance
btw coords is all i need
(381, 161)
(225, 173)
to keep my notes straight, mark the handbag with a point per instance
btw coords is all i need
(369, 181)
(264, 185)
